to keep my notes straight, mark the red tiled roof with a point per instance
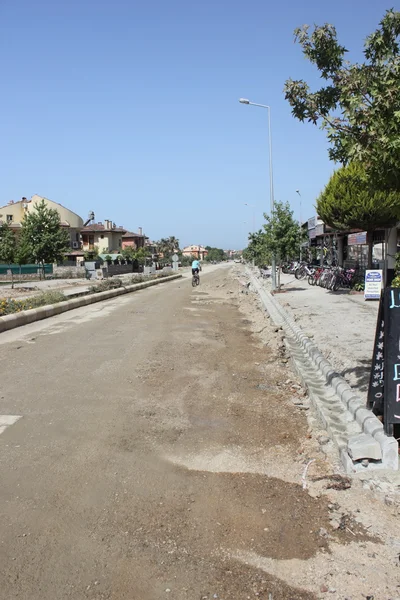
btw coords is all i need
(100, 227)
(129, 234)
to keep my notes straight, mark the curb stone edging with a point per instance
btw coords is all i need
(367, 421)
(50, 310)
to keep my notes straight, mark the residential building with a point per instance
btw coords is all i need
(196, 251)
(13, 213)
(106, 237)
(133, 240)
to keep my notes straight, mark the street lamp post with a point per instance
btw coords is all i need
(271, 176)
(254, 214)
(300, 224)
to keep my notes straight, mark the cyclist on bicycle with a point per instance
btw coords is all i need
(196, 267)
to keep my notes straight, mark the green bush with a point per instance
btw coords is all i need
(107, 284)
(396, 282)
(9, 306)
(137, 279)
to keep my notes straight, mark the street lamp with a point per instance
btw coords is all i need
(298, 192)
(271, 176)
(300, 225)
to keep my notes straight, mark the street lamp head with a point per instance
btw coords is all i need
(244, 101)
(298, 192)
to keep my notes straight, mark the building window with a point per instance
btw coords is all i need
(9, 218)
(102, 237)
(119, 243)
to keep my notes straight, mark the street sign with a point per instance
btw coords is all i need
(175, 258)
(373, 284)
(355, 239)
(392, 359)
(376, 381)
(384, 386)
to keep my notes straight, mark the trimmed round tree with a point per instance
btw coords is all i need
(351, 201)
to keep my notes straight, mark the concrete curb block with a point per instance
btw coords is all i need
(356, 407)
(43, 312)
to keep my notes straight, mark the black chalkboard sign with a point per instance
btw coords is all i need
(376, 381)
(391, 309)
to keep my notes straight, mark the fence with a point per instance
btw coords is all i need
(119, 269)
(23, 272)
(25, 269)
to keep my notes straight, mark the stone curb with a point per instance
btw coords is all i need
(43, 312)
(365, 418)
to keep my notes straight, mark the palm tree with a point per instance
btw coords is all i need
(174, 244)
(167, 246)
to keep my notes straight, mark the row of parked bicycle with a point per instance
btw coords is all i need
(329, 277)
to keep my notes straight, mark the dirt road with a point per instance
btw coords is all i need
(160, 454)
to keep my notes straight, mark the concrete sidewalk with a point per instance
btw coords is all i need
(342, 325)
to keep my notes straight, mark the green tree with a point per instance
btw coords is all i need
(42, 236)
(168, 246)
(185, 261)
(215, 254)
(351, 201)
(257, 249)
(92, 254)
(360, 104)
(129, 253)
(142, 254)
(174, 244)
(8, 246)
(283, 235)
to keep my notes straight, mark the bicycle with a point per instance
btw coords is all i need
(342, 278)
(314, 278)
(303, 271)
(195, 279)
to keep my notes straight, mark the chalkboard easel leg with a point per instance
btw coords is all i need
(389, 428)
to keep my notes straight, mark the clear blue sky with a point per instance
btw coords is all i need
(130, 109)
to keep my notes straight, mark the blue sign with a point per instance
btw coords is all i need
(373, 285)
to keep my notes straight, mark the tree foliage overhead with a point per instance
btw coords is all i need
(350, 201)
(42, 237)
(360, 104)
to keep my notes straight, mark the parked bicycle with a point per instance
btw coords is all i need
(313, 279)
(290, 267)
(342, 278)
(326, 278)
(333, 278)
(304, 271)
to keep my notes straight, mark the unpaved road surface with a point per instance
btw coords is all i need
(160, 455)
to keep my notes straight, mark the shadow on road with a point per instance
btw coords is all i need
(362, 374)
